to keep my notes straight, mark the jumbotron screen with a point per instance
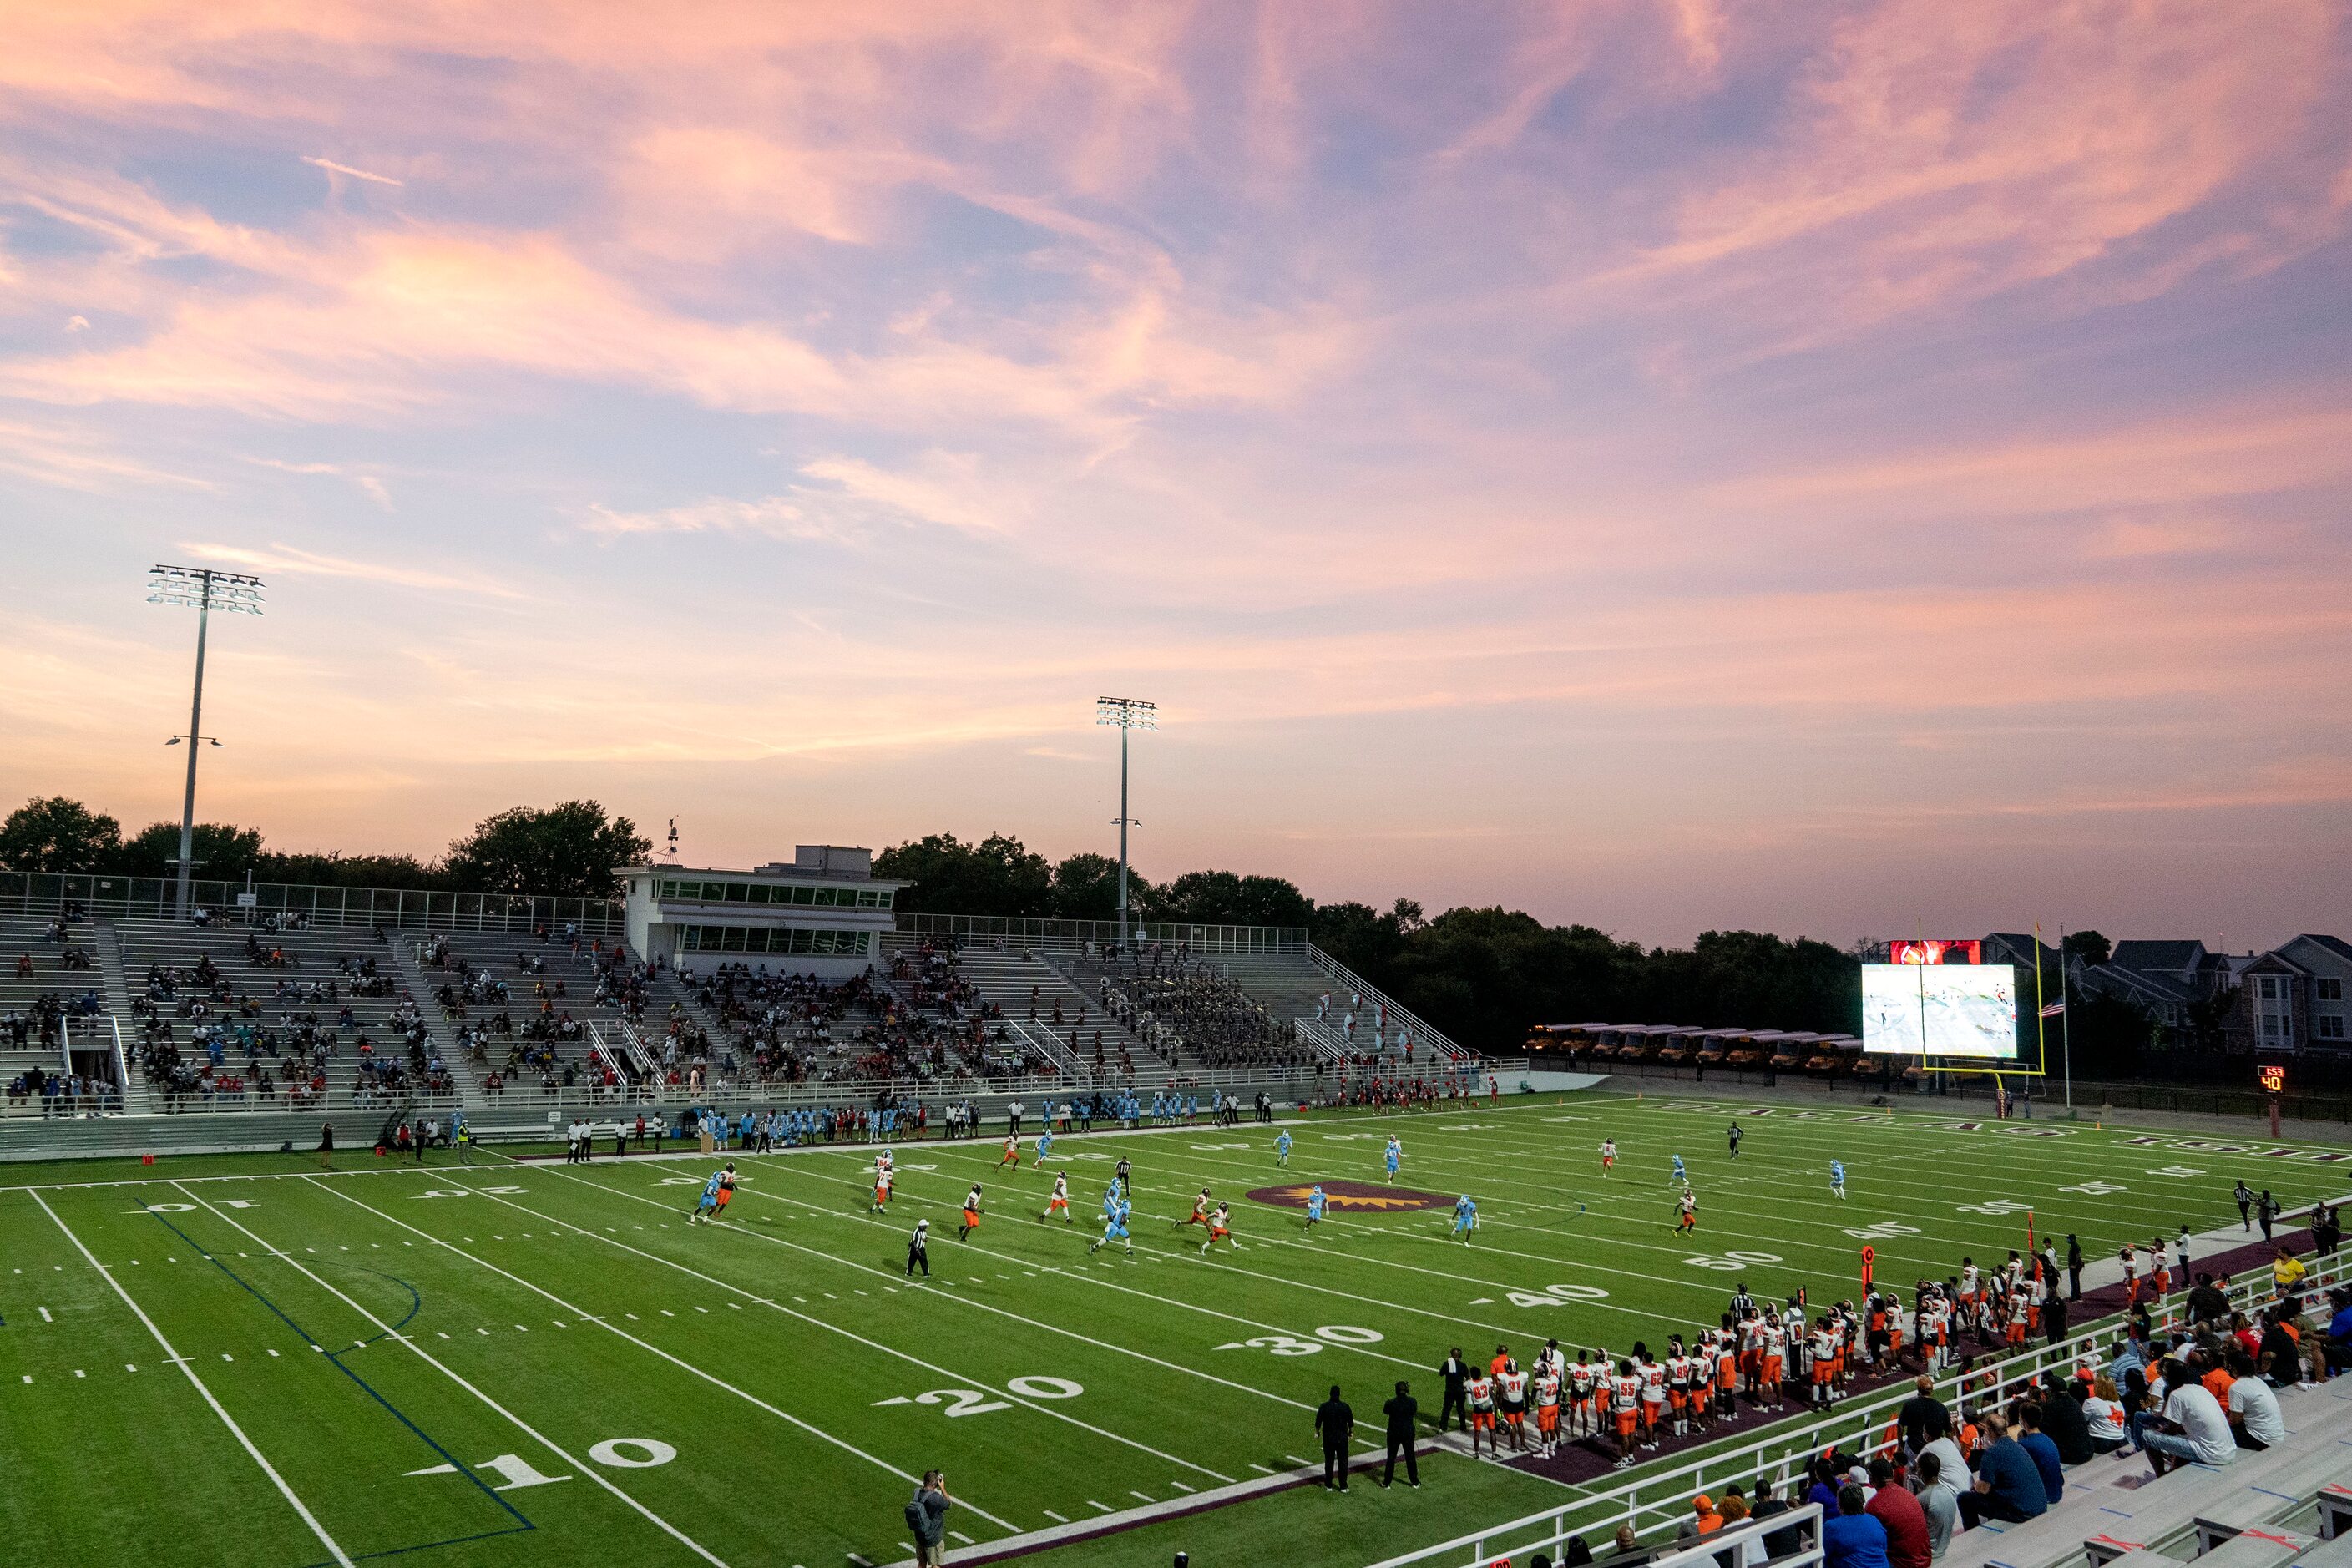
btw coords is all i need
(1939, 1009)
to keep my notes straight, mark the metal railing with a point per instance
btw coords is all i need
(1022, 932)
(1702, 1552)
(1420, 1029)
(1652, 1499)
(155, 897)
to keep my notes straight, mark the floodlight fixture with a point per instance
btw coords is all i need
(1127, 714)
(203, 590)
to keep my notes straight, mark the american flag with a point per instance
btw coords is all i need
(2053, 1010)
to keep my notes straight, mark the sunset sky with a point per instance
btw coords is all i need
(1840, 468)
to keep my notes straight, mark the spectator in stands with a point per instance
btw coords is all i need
(1768, 1505)
(2253, 1409)
(2206, 1303)
(2103, 1415)
(2339, 1331)
(2008, 1485)
(1923, 1418)
(1853, 1539)
(2196, 1427)
(2043, 1452)
(1703, 1519)
(1939, 1505)
(1899, 1512)
(2280, 1357)
(2062, 1419)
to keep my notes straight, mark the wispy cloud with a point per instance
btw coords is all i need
(334, 168)
(287, 561)
(1558, 443)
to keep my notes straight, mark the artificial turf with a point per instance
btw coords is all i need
(529, 1363)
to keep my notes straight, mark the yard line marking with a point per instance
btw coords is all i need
(1296, 1460)
(1179, 1485)
(1058, 1517)
(45, 1315)
(1022, 1400)
(987, 1307)
(269, 1469)
(686, 1366)
(1170, 1300)
(518, 1422)
(1104, 1506)
(1146, 1496)
(78, 1373)
(959, 1535)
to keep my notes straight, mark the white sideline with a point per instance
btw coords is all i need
(177, 1359)
(591, 1471)
(1127, 1519)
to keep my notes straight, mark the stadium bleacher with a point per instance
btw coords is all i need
(231, 1017)
(2244, 1514)
(56, 1054)
(526, 1017)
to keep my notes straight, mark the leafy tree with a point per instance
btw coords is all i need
(1224, 897)
(997, 875)
(1085, 887)
(55, 834)
(2089, 946)
(223, 853)
(572, 850)
(2104, 1039)
(335, 869)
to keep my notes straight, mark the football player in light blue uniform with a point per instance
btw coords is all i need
(1681, 1177)
(706, 1207)
(1116, 1212)
(1466, 1217)
(1395, 1156)
(1314, 1202)
(1044, 1145)
(1282, 1148)
(1837, 1179)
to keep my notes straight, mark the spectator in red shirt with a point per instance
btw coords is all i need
(1906, 1521)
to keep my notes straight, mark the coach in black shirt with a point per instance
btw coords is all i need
(1456, 1374)
(1402, 1412)
(1336, 1422)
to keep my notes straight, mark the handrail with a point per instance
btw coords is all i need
(155, 897)
(1349, 977)
(1781, 1449)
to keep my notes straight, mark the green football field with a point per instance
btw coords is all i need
(281, 1360)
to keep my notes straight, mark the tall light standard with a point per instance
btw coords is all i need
(203, 590)
(1127, 714)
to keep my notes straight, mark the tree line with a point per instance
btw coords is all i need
(572, 850)
(1482, 975)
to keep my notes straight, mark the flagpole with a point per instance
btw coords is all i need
(2065, 1021)
(2041, 1021)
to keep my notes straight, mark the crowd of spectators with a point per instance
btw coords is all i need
(2202, 1390)
(268, 1045)
(1186, 1012)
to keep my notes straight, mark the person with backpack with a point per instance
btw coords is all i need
(926, 1519)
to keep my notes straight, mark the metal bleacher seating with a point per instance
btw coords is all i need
(322, 976)
(548, 1031)
(2264, 1509)
(1292, 986)
(50, 1002)
(1030, 990)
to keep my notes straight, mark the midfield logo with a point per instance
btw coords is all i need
(1352, 1197)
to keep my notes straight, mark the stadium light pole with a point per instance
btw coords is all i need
(1127, 714)
(204, 589)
